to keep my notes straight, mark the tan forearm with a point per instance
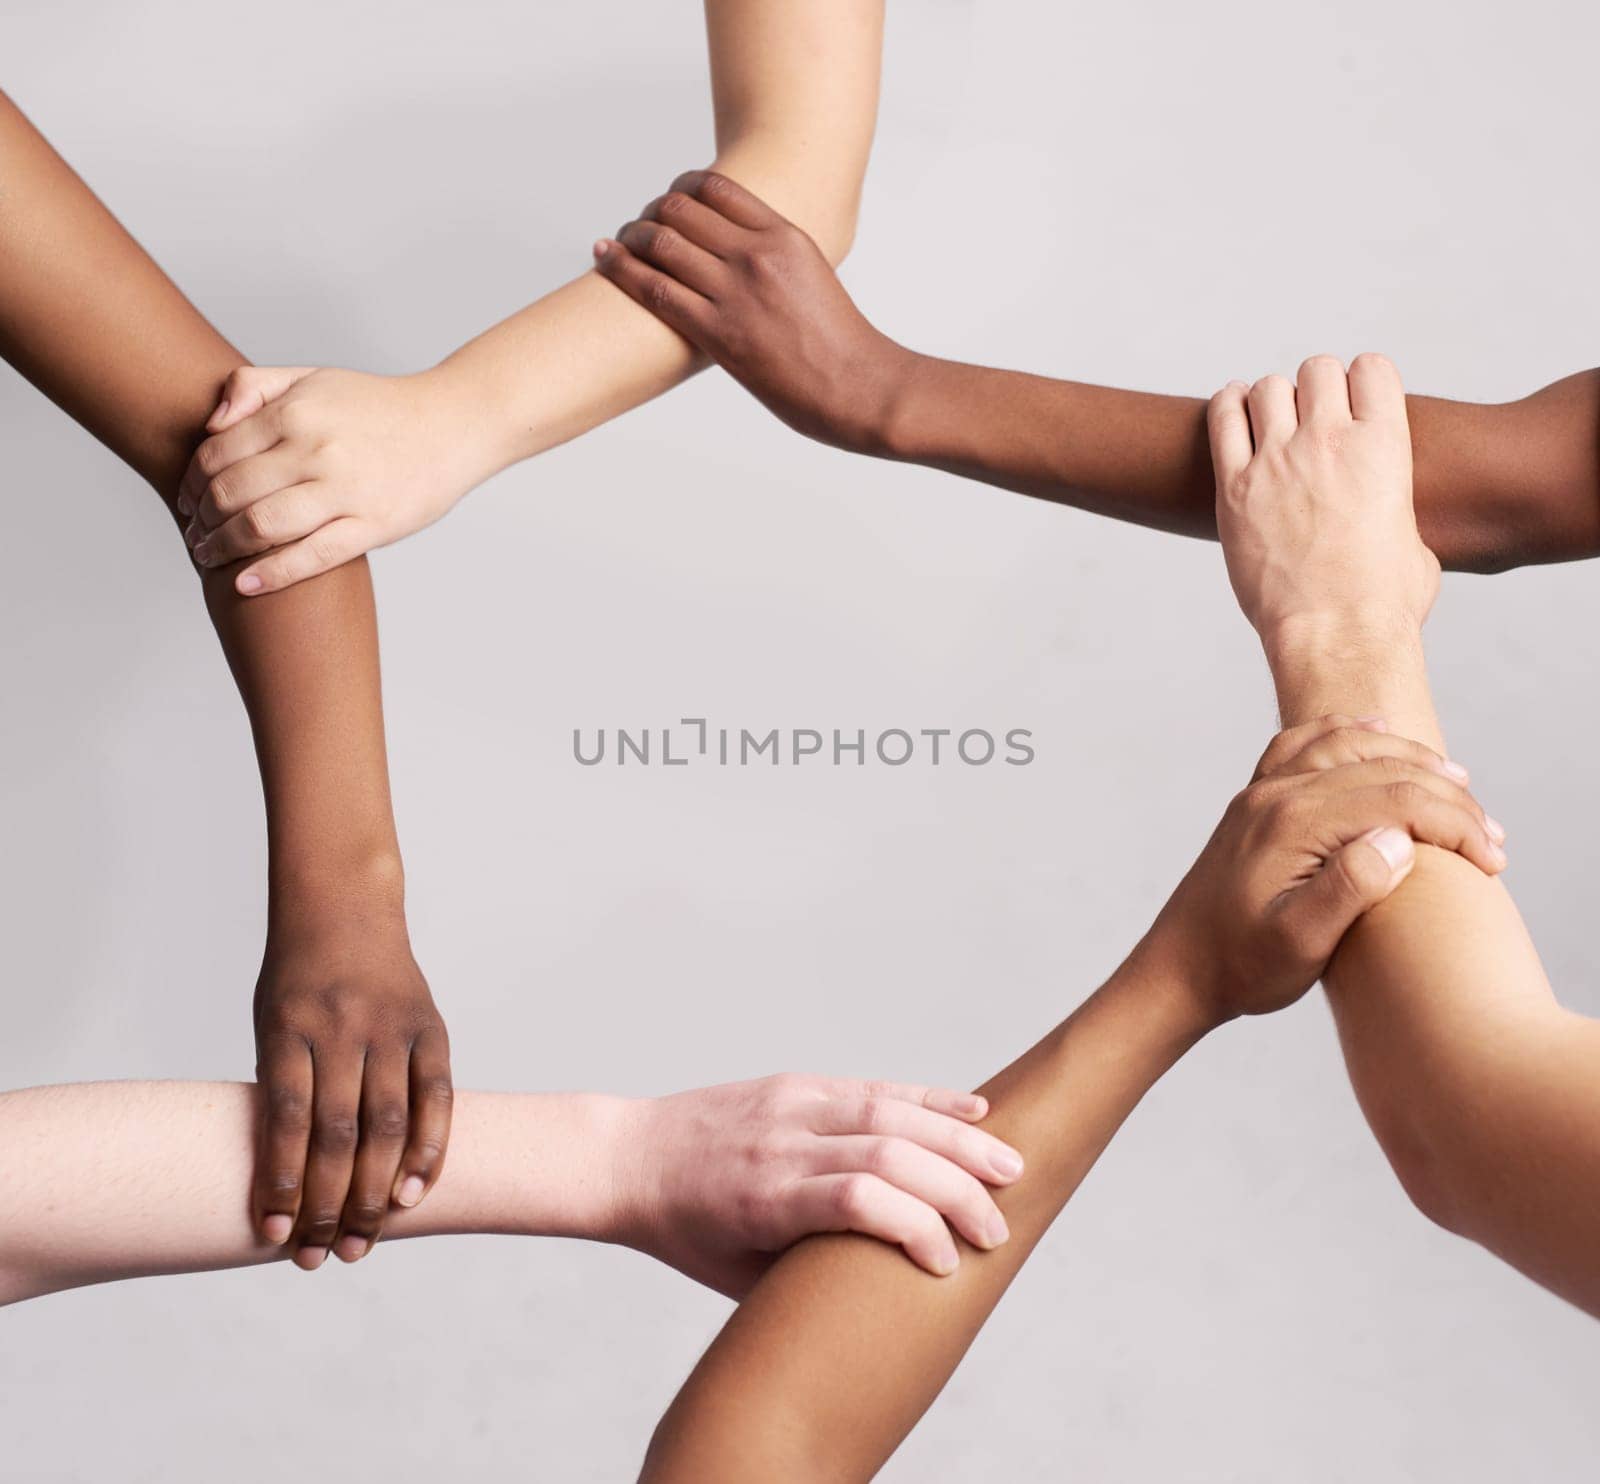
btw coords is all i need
(843, 1345)
(1484, 1093)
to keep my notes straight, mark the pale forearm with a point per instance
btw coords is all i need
(80, 1163)
(794, 93)
(844, 1345)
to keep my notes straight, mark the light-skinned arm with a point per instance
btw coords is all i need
(837, 1352)
(349, 1044)
(314, 466)
(1483, 1090)
(1497, 486)
(712, 1182)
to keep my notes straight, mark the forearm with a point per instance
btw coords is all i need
(843, 1345)
(88, 317)
(1496, 486)
(78, 1164)
(1484, 1093)
(794, 92)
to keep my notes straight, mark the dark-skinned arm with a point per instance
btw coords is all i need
(1497, 486)
(351, 1051)
(842, 1346)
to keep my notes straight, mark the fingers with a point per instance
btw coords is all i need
(327, 547)
(977, 1152)
(240, 441)
(1355, 744)
(432, 1097)
(274, 520)
(676, 306)
(1322, 394)
(248, 389)
(669, 250)
(1434, 810)
(1272, 414)
(240, 485)
(1355, 878)
(957, 1196)
(1292, 741)
(727, 198)
(385, 1093)
(867, 1204)
(971, 1106)
(285, 1078)
(697, 222)
(335, 1128)
(1376, 392)
(1228, 426)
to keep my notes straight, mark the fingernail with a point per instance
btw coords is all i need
(185, 506)
(1242, 386)
(222, 410)
(202, 553)
(1500, 858)
(352, 1249)
(410, 1191)
(276, 1229)
(1454, 770)
(1394, 846)
(191, 533)
(945, 1264)
(973, 1105)
(1372, 723)
(997, 1231)
(1497, 831)
(1006, 1164)
(600, 248)
(249, 583)
(312, 1258)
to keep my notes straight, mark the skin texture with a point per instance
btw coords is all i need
(838, 1352)
(1496, 486)
(308, 467)
(1483, 1091)
(349, 1044)
(78, 1163)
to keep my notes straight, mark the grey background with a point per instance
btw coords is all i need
(1153, 194)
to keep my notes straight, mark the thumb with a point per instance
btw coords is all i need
(248, 389)
(1353, 879)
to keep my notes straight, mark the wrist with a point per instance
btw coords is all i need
(884, 421)
(623, 1199)
(1340, 635)
(1185, 1001)
(474, 438)
(341, 891)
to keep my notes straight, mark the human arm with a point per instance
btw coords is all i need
(712, 1182)
(836, 1354)
(347, 1032)
(315, 466)
(1483, 1091)
(1496, 486)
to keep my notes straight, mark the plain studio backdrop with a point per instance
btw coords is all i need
(1148, 194)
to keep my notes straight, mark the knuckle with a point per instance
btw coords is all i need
(219, 489)
(879, 1157)
(672, 204)
(714, 187)
(851, 1197)
(208, 457)
(365, 1214)
(322, 1223)
(658, 293)
(873, 1114)
(284, 1182)
(1405, 794)
(389, 1121)
(288, 1107)
(335, 1133)
(437, 1089)
(258, 522)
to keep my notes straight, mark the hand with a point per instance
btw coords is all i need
(1324, 832)
(755, 293)
(1314, 502)
(354, 1066)
(317, 467)
(726, 1177)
